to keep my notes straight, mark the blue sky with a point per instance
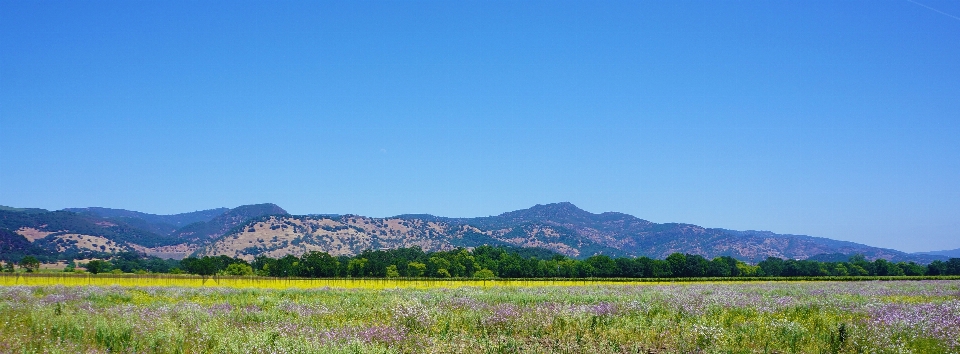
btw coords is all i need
(835, 119)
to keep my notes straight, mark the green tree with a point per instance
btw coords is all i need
(746, 270)
(840, 270)
(8, 267)
(204, 266)
(772, 267)
(860, 261)
(585, 270)
(238, 269)
(97, 266)
(697, 266)
(286, 266)
(510, 265)
(912, 268)
(720, 268)
(629, 267)
(30, 263)
(855, 269)
(603, 266)
(437, 263)
(952, 267)
(645, 267)
(678, 264)
(463, 263)
(356, 267)
(416, 269)
(661, 268)
(318, 264)
(484, 274)
(883, 267)
(566, 268)
(392, 271)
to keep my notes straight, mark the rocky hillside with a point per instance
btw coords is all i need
(91, 232)
(277, 236)
(200, 232)
(267, 229)
(561, 227)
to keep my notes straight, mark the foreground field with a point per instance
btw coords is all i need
(773, 317)
(159, 280)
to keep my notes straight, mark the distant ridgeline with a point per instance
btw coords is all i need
(252, 232)
(508, 262)
(85, 233)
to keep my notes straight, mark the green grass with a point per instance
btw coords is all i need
(726, 317)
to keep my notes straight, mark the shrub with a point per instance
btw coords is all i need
(392, 271)
(97, 266)
(238, 269)
(484, 274)
(30, 263)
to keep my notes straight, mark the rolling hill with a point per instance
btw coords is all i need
(954, 253)
(266, 229)
(560, 227)
(160, 224)
(90, 232)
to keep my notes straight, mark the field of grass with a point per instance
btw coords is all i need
(153, 280)
(160, 280)
(406, 317)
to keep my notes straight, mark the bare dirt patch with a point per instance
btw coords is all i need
(32, 234)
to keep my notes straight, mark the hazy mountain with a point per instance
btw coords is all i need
(955, 253)
(161, 224)
(24, 210)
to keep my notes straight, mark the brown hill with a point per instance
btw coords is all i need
(560, 227)
(267, 229)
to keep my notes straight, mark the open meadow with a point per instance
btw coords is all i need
(432, 317)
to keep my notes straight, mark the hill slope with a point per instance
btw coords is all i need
(86, 232)
(39, 225)
(201, 231)
(160, 224)
(178, 220)
(267, 229)
(560, 227)
(954, 253)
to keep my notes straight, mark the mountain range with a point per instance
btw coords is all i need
(80, 232)
(266, 229)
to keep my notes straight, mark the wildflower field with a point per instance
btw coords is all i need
(920, 316)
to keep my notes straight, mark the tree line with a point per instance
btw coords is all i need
(503, 262)
(123, 262)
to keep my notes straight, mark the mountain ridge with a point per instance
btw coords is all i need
(266, 229)
(95, 232)
(161, 224)
(947, 253)
(559, 227)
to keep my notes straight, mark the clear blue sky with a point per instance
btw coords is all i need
(838, 119)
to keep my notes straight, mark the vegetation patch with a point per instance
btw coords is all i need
(694, 317)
